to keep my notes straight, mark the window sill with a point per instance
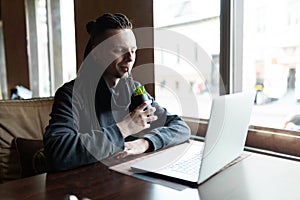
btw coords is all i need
(276, 142)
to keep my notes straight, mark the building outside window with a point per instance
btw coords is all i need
(270, 56)
(3, 81)
(178, 77)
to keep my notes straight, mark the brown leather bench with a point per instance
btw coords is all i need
(22, 125)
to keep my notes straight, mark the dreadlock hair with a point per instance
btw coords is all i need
(103, 23)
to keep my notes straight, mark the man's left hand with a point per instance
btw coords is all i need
(134, 147)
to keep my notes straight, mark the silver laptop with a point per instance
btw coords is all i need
(195, 162)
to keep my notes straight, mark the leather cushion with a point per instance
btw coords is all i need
(20, 119)
(31, 154)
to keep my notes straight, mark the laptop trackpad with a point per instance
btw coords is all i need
(167, 157)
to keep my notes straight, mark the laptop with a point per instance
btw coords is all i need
(224, 142)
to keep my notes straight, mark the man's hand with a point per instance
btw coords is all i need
(137, 120)
(134, 147)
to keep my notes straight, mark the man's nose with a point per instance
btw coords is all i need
(129, 56)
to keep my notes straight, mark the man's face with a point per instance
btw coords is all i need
(118, 52)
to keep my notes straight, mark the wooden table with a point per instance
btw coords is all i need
(256, 177)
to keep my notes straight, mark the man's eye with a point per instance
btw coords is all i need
(119, 50)
(123, 50)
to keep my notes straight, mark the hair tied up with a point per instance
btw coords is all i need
(90, 26)
(105, 22)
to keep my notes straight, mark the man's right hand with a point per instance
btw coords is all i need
(137, 120)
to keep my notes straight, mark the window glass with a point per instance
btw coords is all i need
(68, 40)
(3, 83)
(187, 71)
(44, 83)
(51, 44)
(271, 61)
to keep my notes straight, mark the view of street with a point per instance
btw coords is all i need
(271, 114)
(274, 114)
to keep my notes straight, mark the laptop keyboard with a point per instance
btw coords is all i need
(189, 165)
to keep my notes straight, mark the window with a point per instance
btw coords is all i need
(51, 44)
(292, 13)
(3, 84)
(260, 19)
(271, 64)
(270, 57)
(263, 136)
(259, 52)
(187, 71)
(3, 81)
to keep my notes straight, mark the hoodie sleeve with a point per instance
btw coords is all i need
(70, 142)
(168, 130)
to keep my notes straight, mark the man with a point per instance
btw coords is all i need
(90, 119)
